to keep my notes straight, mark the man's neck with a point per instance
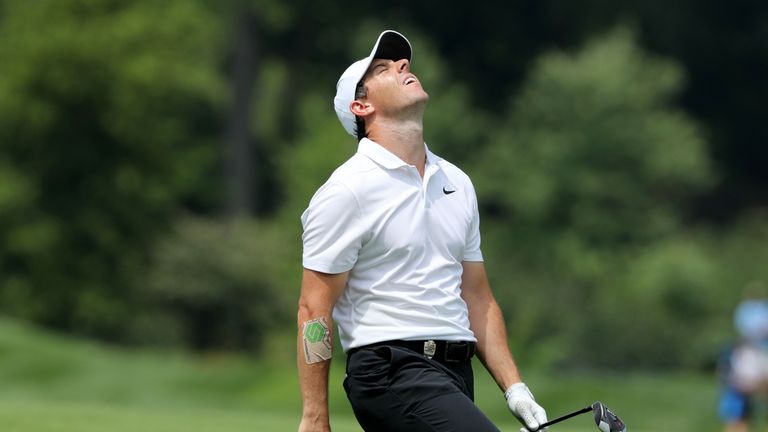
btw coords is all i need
(405, 140)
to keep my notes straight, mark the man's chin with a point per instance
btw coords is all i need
(422, 99)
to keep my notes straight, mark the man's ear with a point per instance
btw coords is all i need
(360, 108)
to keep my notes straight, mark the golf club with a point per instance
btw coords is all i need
(605, 419)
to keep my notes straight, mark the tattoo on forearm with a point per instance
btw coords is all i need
(317, 340)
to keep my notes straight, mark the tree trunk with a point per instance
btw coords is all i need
(239, 163)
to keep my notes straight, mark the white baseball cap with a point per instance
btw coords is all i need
(390, 45)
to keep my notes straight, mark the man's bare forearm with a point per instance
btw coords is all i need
(313, 375)
(314, 347)
(487, 323)
(492, 346)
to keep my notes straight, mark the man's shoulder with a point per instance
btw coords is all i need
(350, 171)
(453, 171)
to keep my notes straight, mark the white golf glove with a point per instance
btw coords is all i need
(524, 407)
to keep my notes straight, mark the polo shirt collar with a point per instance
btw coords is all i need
(387, 159)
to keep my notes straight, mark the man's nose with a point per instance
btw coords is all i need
(403, 65)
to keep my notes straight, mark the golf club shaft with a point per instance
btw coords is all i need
(566, 417)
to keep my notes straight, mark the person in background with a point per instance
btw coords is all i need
(743, 368)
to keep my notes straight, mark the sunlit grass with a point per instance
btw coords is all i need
(54, 383)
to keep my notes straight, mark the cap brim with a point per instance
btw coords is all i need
(391, 45)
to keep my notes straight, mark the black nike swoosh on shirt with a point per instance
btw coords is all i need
(448, 192)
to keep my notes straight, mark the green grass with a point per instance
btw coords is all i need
(54, 383)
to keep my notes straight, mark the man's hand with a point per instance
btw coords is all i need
(524, 407)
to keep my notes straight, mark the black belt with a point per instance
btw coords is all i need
(447, 351)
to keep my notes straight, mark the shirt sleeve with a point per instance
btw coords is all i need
(332, 230)
(472, 250)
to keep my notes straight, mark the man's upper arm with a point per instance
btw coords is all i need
(319, 291)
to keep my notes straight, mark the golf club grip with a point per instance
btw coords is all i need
(565, 417)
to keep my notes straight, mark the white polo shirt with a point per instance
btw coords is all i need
(402, 238)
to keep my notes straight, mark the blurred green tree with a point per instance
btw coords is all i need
(109, 114)
(597, 147)
(217, 285)
(594, 161)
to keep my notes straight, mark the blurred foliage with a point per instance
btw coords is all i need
(216, 285)
(594, 164)
(108, 113)
(591, 176)
(594, 147)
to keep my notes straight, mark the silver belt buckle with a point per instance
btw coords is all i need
(430, 347)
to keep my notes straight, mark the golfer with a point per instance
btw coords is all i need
(392, 255)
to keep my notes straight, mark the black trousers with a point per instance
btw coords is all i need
(394, 389)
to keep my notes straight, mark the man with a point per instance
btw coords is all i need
(392, 251)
